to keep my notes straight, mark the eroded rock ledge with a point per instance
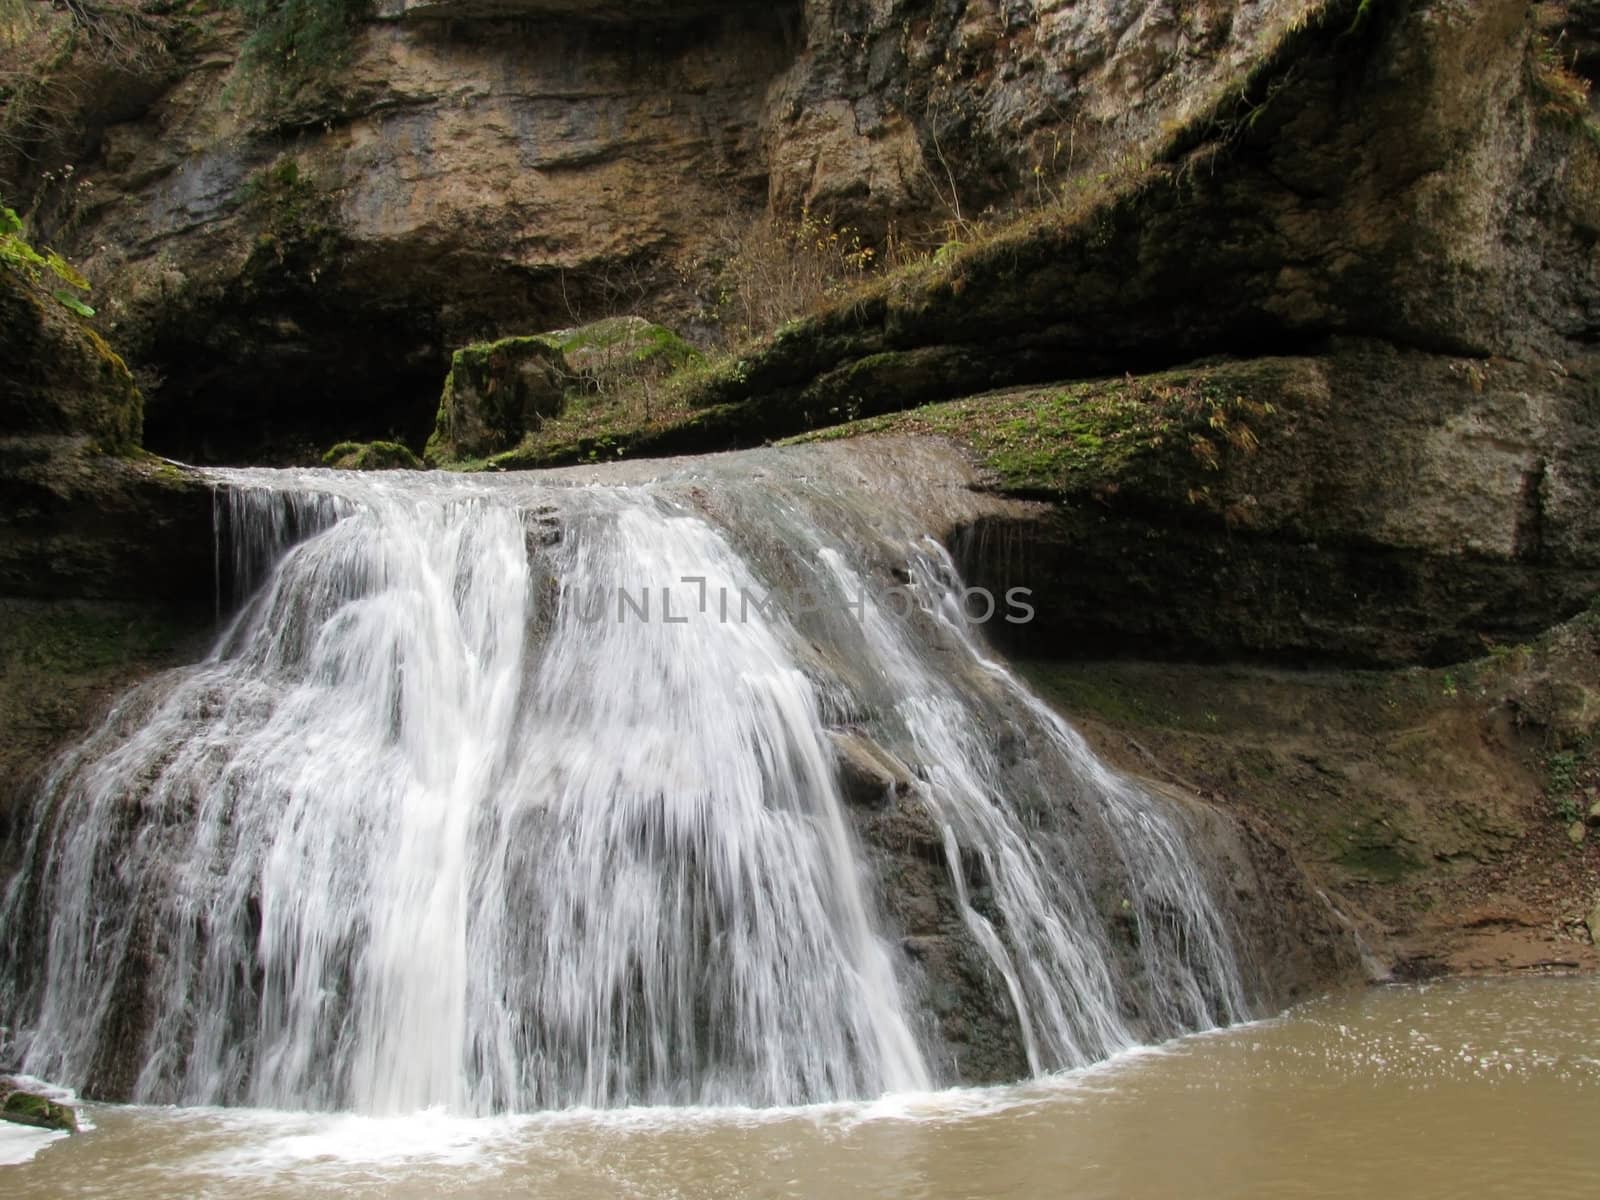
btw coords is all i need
(105, 551)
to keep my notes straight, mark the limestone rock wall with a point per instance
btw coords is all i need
(481, 168)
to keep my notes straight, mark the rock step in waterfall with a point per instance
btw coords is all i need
(504, 794)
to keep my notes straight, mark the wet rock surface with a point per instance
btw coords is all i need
(23, 1107)
(106, 567)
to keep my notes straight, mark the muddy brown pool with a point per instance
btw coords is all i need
(1479, 1089)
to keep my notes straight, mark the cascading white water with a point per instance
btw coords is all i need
(503, 795)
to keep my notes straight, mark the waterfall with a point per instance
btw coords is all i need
(506, 794)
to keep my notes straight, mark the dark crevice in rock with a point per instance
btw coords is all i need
(1530, 519)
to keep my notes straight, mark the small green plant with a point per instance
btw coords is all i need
(292, 37)
(1565, 93)
(1561, 774)
(19, 255)
(299, 224)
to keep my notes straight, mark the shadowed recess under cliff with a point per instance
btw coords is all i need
(446, 819)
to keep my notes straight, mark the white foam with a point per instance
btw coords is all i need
(19, 1143)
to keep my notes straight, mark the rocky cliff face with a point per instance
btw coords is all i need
(105, 554)
(1404, 197)
(915, 110)
(294, 260)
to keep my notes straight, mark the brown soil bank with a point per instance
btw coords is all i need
(1444, 811)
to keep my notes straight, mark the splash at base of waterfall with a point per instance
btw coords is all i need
(432, 827)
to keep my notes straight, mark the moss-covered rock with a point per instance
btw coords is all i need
(1170, 433)
(58, 376)
(494, 393)
(371, 456)
(1363, 505)
(618, 348)
(505, 399)
(30, 1108)
(106, 559)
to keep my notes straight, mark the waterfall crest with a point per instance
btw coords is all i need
(507, 794)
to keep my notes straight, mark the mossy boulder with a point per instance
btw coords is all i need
(58, 376)
(494, 393)
(371, 456)
(498, 393)
(30, 1108)
(84, 513)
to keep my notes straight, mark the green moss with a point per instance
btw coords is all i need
(482, 355)
(291, 40)
(19, 255)
(493, 392)
(1078, 689)
(1380, 862)
(1564, 774)
(73, 639)
(300, 234)
(1086, 437)
(29, 1109)
(620, 378)
(634, 341)
(370, 456)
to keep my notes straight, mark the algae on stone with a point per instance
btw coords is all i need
(371, 456)
(30, 1108)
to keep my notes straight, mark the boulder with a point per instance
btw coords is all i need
(498, 392)
(371, 456)
(616, 349)
(869, 776)
(58, 377)
(30, 1108)
(495, 392)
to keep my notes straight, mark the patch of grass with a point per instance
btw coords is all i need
(1563, 775)
(290, 39)
(78, 638)
(1563, 91)
(1380, 862)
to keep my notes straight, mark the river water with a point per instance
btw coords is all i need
(1480, 1089)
